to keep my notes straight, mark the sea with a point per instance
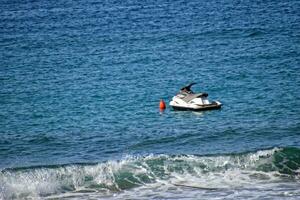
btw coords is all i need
(81, 82)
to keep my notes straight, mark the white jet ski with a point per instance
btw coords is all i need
(186, 99)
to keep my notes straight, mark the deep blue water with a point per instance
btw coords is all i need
(80, 84)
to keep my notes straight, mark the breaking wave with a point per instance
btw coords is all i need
(208, 172)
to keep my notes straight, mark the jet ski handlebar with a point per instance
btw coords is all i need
(188, 87)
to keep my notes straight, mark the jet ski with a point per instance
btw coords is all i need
(186, 99)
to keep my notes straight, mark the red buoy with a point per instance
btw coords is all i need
(162, 105)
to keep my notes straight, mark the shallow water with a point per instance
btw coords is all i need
(80, 87)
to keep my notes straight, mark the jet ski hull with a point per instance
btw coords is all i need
(198, 108)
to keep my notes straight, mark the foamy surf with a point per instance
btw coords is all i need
(253, 175)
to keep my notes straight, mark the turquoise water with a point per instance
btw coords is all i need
(80, 88)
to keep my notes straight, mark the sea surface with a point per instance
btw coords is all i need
(81, 81)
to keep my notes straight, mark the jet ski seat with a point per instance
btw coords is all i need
(188, 97)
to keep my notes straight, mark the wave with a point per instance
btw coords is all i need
(255, 33)
(212, 171)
